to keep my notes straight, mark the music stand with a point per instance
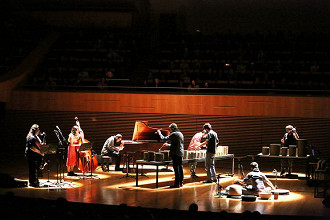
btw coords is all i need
(85, 147)
(127, 165)
(61, 153)
(48, 149)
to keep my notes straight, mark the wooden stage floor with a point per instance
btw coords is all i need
(113, 188)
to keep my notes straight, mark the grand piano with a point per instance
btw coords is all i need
(145, 138)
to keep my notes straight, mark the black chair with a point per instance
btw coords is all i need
(322, 179)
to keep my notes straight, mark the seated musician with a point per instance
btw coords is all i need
(194, 145)
(258, 180)
(75, 139)
(112, 147)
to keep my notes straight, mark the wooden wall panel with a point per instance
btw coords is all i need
(244, 123)
(229, 105)
(244, 135)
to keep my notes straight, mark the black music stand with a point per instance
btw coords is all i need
(48, 149)
(61, 158)
(127, 165)
(62, 146)
(84, 147)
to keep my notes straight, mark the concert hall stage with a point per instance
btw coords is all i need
(115, 188)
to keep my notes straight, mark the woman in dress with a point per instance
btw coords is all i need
(75, 139)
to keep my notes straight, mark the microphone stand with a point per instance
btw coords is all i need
(58, 161)
(219, 186)
(65, 147)
(275, 172)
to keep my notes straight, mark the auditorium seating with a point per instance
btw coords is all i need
(14, 207)
(265, 61)
(16, 41)
(90, 58)
(98, 58)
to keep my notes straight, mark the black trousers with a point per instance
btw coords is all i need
(178, 171)
(115, 156)
(34, 162)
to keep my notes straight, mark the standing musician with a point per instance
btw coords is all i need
(176, 150)
(194, 145)
(290, 138)
(76, 137)
(211, 144)
(33, 154)
(112, 147)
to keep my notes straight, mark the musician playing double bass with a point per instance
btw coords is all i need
(33, 154)
(112, 147)
(75, 139)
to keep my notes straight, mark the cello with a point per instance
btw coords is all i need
(86, 161)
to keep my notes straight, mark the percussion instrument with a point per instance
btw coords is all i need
(159, 157)
(274, 149)
(281, 191)
(302, 147)
(166, 155)
(249, 198)
(265, 151)
(185, 154)
(284, 151)
(221, 151)
(145, 155)
(193, 154)
(265, 195)
(292, 150)
(203, 153)
(151, 155)
(234, 191)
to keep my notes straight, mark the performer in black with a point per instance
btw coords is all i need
(33, 154)
(211, 144)
(176, 150)
(112, 147)
(290, 138)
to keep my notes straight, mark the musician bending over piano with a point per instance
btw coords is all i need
(75, 139)
(194, 146)
(33, 154)
(112, 147)
(176, 150)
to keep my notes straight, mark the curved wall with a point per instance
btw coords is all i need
(244, 123)
(229, 105)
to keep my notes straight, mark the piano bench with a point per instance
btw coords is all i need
(105, 161)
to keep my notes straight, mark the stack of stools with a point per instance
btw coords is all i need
(105, 161)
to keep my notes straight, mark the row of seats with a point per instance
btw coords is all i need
(274, 61)
(14, 207)
(86, 56)
(92, 59)
(16, 42)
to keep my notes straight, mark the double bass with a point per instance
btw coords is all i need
(86, 161)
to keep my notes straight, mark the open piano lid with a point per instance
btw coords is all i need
(143, 132)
